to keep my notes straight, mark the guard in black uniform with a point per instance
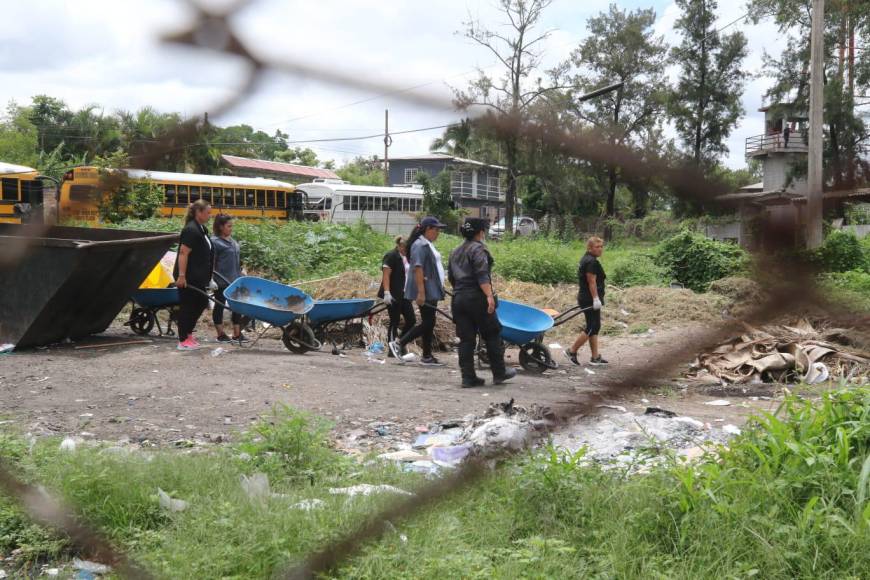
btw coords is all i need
(474, 304)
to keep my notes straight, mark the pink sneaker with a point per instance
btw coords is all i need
(188, 344)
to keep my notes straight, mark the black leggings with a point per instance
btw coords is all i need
(400, 309)
(425, 330)
(593, 320)
(192, 304)
(472, 319)
(217, 315)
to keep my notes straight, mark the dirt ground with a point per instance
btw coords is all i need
(151, 393)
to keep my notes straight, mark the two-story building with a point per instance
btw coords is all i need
(475, 186)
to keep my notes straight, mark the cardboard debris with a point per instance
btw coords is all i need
(798, 352)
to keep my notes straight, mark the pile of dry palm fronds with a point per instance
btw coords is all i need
(799, 352)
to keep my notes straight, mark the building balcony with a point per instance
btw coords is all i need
(775, 143)
(463, 185)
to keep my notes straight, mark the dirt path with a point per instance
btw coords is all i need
(151, 392)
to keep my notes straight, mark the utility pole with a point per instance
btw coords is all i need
(815, 182)
(387, 142)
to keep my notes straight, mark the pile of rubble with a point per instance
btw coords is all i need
(612, 437)
(800, 352)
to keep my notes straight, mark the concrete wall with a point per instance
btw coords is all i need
(776, 170)
(860, 231)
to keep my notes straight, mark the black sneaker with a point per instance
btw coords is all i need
(509, 373)
(472, 382)
(224, 338)
(396, 349)
(241, 338)
(430, 361)
(598, 361)
(572, 357)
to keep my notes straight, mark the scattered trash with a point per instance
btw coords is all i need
(499, 433)
(659, 412)
(404, 456)
(556, 346)
(782, 354)
(92, 567)
(382, 431)
(85, 575)
(389, 525)
(308, 504)
(256, 487)
(366, 489)
(49, 572)
(218, 351)
(731, 429)
(450, 455)
(589, 371)
(718, 403)
(68, 444)
(377, 348)
(2, 572)
(169, 503)
(4, 348)
(619, 408)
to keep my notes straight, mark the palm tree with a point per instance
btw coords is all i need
(457, 140)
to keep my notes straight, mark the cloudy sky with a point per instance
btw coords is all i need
(108, 52)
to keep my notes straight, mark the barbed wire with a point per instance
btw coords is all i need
(789, 285)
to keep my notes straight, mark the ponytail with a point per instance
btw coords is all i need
(196, 206)
(415, 234)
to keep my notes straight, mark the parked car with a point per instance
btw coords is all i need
(523, 226)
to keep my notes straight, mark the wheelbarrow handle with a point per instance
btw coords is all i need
(443, 313)
(569, 315)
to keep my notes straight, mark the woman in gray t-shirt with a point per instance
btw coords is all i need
(227, 267)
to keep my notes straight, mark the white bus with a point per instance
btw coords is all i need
(392, 210)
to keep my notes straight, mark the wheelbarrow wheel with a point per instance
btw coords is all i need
(299, 338)
(536, 358)
(141, 321)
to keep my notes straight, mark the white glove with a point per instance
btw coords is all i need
(596, 304)
(212, 285)
(388, 298)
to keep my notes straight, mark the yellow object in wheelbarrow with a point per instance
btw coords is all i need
(161, 275)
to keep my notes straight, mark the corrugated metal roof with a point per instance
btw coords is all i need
(12, 168)
(279, 167)
(446, 157)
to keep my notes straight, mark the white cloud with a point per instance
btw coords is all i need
(108, 52)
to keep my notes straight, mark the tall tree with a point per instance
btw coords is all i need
(456, 140)
(620, 47)
(512, 94)
(705, 103)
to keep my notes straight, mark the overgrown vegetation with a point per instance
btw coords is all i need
(788, 498)
(695, 261)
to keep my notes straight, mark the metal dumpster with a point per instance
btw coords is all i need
(65, 282)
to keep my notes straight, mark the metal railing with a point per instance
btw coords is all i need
(463, 184)
(775, 142)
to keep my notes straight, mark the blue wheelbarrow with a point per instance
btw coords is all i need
(147, 303)
(276, 304)
(328, 314)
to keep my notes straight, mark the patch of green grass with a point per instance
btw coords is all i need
(788, 498)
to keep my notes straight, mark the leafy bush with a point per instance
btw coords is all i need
(638, 270)
(841, 252)
(850, 289)
(542, 261)
(291, 444)
(654, 227)
(695, 261)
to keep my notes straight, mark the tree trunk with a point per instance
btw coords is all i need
(610, 212)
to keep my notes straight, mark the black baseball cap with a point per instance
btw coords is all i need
(473, 225)
(431, 222)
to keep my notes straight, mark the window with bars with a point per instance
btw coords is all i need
(411, 175)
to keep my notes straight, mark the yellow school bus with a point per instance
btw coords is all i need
(18, 185)
(242, 197)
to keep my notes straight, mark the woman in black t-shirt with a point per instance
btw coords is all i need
(392, 291)
(193, 270)
(591, 278)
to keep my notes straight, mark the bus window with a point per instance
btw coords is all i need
(270, 198)
(10, 189)
(228, 196)
(250, 198)
(350, 202)
(239, 197)
(31, 192)
(327, 204)
(169, 193)
(182, 194)
(393, 204)
(194, 193)
(205, 193)
(82, 193)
